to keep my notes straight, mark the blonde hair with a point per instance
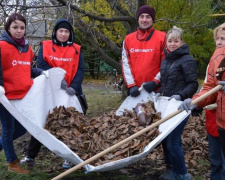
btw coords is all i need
(175, 33)
(219, 29)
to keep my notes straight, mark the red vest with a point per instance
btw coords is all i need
(63, 57)
(16, 67)
(143, 58)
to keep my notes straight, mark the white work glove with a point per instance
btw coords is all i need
(71, 91)
(186, 105)
(223, 84)
(177, 97)
(45, 73)
(2, 91)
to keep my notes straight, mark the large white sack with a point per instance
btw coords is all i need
(32, 110)
(162, 105)
(46, 94)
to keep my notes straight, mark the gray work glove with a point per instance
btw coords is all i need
(70, 91)
(157, 96)
(134, 91)
(64, 84)
(150, 86)
(186, 105)
(223, 84)
(177, 97)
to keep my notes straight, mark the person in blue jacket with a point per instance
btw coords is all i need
(178, 81)
(61, 52)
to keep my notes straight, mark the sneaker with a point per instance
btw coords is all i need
(66, 165)
(27, 161)
(174, 176)
(165, 175)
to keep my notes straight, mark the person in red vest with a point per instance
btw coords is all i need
(16, 75)
(143, 53)
(61, 52)
(216, 157)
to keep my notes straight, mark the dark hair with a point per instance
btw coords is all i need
(12, 18)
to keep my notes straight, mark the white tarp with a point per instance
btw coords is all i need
(161, 105)
(46, 94)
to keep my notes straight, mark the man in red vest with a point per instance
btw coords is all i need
(142, 53)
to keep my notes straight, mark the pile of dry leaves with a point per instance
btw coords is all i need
(87, 137)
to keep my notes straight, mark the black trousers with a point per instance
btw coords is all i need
(222, 139)
(33, 148)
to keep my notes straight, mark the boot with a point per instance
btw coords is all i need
(15, 167)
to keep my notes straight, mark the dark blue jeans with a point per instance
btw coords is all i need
(173, 152)
(11, 130)
(217, 163)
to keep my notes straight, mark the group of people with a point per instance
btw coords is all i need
(162, 63)
(158, 61)
(17, 73)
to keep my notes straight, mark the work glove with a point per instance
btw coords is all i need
(177, 97)
(150, 86)
(64, 84)
(186, 105)
(45, 73)
(2, 91)
(70, 91)
(223, 84)
(157, 96)
(134, 91)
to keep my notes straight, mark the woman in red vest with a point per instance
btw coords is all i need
(213, 113)
(61, 52)
(15, 81)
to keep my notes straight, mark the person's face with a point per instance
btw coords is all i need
(62, 35)
(145, 21)
(173, 43)
(17, 29)
(220, 40)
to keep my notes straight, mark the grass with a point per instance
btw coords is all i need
(99, 99)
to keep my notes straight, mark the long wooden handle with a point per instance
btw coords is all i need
(134, 135)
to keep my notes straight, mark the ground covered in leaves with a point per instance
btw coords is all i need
(195, 146)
